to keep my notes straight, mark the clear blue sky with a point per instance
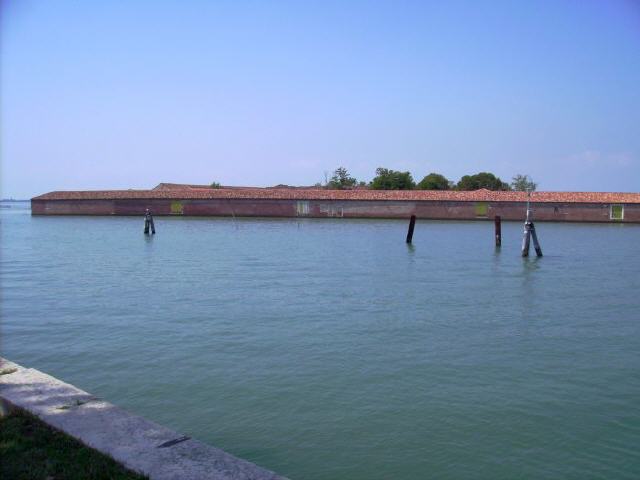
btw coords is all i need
(121, 94)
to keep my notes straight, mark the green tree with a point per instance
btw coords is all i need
(434, 181)
(215, 185)
(523, 183)
(482, 180)
(341, 179)
(386, 179)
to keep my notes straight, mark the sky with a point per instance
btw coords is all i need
(127, 94)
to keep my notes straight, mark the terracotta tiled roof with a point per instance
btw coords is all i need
(320, 194)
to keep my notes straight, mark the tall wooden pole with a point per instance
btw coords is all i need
(534, 237)
(498, 230)
(526, 240)
(530, 232)
(412, 224)
(148, 223)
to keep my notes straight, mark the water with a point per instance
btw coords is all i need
(327, 349)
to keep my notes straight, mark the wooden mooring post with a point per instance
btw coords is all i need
(148, 223)
(498, 230)
(412, 224)
(530, 233)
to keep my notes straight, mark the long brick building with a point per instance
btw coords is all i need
(282, 201)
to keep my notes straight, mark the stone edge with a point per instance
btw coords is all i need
(134, 442)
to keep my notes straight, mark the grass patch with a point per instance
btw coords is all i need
(31, 450)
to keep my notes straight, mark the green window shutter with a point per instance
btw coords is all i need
(176, 208)
(481, 209)
(617, 212)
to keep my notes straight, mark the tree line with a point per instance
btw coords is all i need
(387, 179)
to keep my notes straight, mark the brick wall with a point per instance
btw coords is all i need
(569, 212)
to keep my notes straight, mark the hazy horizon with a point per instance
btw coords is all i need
(123, 95)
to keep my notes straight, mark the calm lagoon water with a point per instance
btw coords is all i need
(327, 349)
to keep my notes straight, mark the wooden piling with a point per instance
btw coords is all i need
(148, 223)
(530, 232)
(498, 230)
(412, 224)
(526, 239)
(534, 237)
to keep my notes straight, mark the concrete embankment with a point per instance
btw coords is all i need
(136, 443)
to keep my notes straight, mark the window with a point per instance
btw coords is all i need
(481, 209)
(302, 208)
(176, 208)
(616, 212)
